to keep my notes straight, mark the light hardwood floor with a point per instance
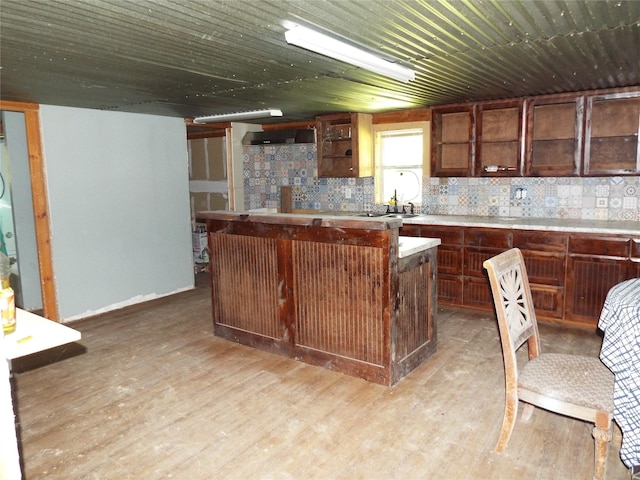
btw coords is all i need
(152, 394)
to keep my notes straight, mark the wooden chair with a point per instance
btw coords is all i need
(571, 385)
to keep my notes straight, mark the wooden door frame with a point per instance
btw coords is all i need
(40, 205)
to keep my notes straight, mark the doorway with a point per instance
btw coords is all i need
(17, 227)
(27, 185)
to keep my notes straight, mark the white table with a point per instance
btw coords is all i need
(34, 334)
(620, 352)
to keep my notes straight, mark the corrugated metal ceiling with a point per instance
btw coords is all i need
(189, 58)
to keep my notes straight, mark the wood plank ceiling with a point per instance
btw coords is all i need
(198, 57)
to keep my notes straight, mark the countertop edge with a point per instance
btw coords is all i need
(340, 219)
(304, 219)
(551, 225)
(407, 246)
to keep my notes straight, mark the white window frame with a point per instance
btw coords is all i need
(426, 154)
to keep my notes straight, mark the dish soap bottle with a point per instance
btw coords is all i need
(7, 296)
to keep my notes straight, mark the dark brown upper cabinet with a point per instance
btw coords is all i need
(499, 139)
(611, 134)
(452, 140)
(554, 136)
(345, 145)
(587, 133)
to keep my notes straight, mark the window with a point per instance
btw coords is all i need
(401, 157)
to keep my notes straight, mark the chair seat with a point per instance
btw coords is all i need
(573, 379)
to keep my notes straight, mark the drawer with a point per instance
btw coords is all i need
(635, 248)
(450, 236)
(477, 237)
(410, 230)
(545, 242)
(598, 245)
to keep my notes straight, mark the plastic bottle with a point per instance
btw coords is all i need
(7, 296)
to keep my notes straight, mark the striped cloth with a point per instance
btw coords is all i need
(620, 352)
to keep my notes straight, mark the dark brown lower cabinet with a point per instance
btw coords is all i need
(450, 257)
(548, 302)
(479, 245)
(449, 289)
(545, 258)
(475, 287)
(635, 258)
(570, 274)
(595, 264)
(475, 293)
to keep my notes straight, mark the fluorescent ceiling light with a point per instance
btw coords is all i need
(239, 116)
(325, 45)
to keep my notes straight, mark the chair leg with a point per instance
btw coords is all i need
(508, 421)
(602, 437)
(527, 411)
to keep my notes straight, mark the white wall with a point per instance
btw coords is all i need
(118, 190)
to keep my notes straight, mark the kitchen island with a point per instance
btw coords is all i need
(345, 293)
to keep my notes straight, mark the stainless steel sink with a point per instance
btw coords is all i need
(371, 214)
(401, 215)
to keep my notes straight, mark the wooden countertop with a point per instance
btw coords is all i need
(319, 219)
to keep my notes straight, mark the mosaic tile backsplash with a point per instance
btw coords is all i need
(266, 168)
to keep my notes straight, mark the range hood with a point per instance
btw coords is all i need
(279, 137)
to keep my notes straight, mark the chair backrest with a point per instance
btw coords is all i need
(514, 306)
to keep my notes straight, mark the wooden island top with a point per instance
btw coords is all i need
(346, 293)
